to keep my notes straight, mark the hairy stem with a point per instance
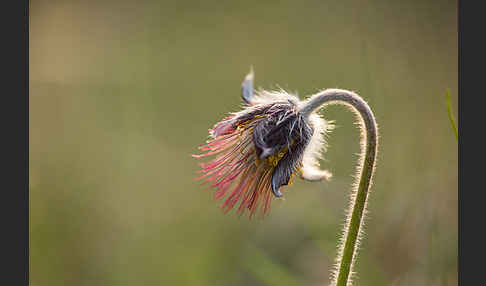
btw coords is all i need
(369, 142)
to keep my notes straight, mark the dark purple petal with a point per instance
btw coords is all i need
(247, 89)
(291, 161)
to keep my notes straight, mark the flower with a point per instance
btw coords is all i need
(261, 148)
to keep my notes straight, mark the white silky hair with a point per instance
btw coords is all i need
(315, 149)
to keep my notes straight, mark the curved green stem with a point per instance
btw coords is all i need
(449, 112)
(369, 143)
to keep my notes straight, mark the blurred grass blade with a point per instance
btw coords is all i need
(449, 111)
(267, 271)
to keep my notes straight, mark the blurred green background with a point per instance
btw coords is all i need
(122, 92)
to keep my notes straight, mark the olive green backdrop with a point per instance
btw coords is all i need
(122, 92)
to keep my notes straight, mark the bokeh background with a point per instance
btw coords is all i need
(122, 92)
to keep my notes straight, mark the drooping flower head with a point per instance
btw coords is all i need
(262, 148)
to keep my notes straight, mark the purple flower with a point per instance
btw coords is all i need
(261, 148)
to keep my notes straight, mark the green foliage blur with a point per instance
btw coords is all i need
(122, 92)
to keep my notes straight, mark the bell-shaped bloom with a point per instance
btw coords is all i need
(261, 148)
